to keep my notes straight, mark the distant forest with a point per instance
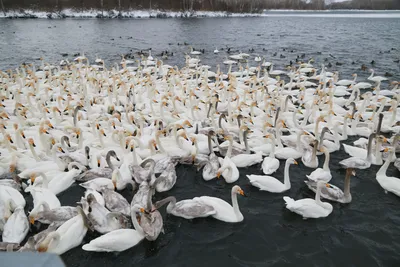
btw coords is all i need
(204, 5)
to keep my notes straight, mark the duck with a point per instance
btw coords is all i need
(271, 184)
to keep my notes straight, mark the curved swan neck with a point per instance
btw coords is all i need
(318, 194)
(383, 169)
(229, 152)
(108, 160)
(346, 190)
(286, 174)
(246, 144)
(369, 148)
(235, 205)
(326, 162)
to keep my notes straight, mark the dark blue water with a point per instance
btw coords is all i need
(363, 233)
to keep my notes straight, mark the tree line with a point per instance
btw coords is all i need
(189, 5)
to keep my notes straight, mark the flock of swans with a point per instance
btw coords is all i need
(129, 126)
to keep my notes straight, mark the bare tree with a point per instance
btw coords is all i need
(2, 7)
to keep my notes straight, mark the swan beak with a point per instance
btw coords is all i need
(115, 184)
(385, 140)
(328, 186)
(295, 162)
(98, 163)
(386, 149)
(31, 220)
(33, 178)
(142, 210)
(241, 192)
(61, 150)
(218, 174)
(23, 135)
(117, 159)
(132, 149)
(193, 158)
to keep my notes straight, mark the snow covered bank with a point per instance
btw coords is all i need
(92, 13)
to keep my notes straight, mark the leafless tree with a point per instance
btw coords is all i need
(2, 7)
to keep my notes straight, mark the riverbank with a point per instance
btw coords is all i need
(137, 14)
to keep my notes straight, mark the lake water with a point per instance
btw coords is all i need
(363, 233)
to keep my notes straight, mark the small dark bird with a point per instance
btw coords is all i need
(387, 74)
(373, 62)
(363, 67)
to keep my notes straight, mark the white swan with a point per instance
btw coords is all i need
(324, 173)
(224, 211)
(271, 184)
(334, 193)
(118, 240)
(69, 235)
(308, 207)
(187, 208)
(389, 184)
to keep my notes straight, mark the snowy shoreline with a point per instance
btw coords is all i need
(137, 14)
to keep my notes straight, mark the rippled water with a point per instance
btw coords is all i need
(363, 233)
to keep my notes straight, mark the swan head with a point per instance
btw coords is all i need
(187, 123)
(292, 161)
(228, 137)
(9, 138)
(183, 134)
(237, 190)
(42, 130)
(101, 132)
(350, 172)
(31, 142)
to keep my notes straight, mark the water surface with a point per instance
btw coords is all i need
(363, 233)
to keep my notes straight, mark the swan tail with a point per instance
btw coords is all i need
(289, 201)
(91, 247)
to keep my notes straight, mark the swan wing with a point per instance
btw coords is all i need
(117, 240)
(267, 183)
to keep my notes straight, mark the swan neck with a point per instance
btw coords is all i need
(326, 162)
(286, 175)
(346, 190)
(235, 205)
